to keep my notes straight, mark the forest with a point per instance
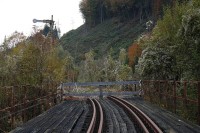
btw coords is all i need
(171, 50)
(33, 60)
(97, 11)
(160, 53)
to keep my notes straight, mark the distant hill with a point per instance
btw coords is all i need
(111, 24)
(101, 38)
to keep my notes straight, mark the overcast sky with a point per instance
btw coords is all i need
(17, 15)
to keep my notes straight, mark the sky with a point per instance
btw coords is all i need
(18, 15)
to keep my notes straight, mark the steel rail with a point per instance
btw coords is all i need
(95, 124)
(100, 127)
(151, 126)
(93, 121)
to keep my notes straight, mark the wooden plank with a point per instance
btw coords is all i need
(48, 118)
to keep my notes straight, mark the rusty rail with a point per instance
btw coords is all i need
(145, 123)
(96, 124)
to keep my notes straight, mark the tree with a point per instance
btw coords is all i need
(110, 69)
(134, 52)
(124, 72)
(88, 9)
(5, 44)
(29, 66)
(14, 39)
(8, 58)
(189, 35)
(122, 56)
(71, 71)
(157, 8)
(177, 33)
(31, 61)
(156, 63)
(90, 66)
(54, 67)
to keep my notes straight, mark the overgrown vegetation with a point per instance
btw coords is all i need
(105, 69)
(110, 34)
(172, 50)
(33, 61)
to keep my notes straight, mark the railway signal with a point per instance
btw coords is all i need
(50, 22)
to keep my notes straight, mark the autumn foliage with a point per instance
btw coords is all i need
(134, 51)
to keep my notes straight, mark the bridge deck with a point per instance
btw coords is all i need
(72, 116)
(55, 119)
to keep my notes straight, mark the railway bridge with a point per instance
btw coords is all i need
(124, 106)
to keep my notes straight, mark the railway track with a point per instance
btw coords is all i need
(108, 115)
(142, 122)
(168, 121)
(96, 124)
(116, 119)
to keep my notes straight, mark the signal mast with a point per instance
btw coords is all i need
(50, 22)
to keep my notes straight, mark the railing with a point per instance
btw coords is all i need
(180, 97)
(93, 89)
(101, 83)
(19, 104)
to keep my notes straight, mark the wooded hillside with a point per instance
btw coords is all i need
(110, 34)
(97, 11)
(111, 24)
